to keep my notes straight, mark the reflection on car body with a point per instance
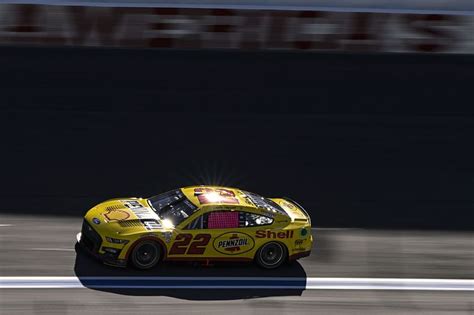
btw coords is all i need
(197, 223)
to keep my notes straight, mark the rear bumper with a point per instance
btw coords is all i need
(300, 255)
(106, 258)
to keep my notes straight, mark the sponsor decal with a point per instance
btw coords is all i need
(289, 205)
(166, 236)
(304, 232)
(299, 246)
(151, 224)
(233, 243)
(140, 211)
(96, 221)
(271, 234)
(116, 215)
(132, 204)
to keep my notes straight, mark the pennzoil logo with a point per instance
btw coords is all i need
(116, 215)
(233, 243)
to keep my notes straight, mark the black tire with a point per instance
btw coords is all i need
(271, 255)
(146, 254)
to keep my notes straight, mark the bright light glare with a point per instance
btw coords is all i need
(213, 197)
(167, 224)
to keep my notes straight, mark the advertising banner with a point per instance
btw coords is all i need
(182, 28)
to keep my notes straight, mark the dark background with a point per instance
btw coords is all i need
(360, 140)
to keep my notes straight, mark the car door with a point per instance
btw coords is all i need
(191, 240)
(213, 234)
(227, 234)
(229, 240)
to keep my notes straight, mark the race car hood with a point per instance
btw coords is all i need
(124, 216)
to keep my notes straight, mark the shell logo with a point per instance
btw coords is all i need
(116, 215)
(233, 243)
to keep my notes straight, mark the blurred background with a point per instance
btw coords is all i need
(362, 111)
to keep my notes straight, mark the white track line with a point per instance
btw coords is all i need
(237, 283)
(4, 225)
(54, 249)
(390, 284)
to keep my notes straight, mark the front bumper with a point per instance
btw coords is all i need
(92, 248)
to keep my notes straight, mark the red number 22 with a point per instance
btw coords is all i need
(197, 247)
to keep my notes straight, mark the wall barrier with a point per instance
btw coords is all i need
(248, 29)
(361, 140)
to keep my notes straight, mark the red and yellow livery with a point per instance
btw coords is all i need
(198, 223)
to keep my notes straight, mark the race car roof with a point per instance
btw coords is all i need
(218, 195)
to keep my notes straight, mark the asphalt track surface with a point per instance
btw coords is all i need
(45, 247)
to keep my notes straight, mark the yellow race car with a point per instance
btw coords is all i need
(197, 223)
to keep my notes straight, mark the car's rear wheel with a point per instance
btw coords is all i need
(146, 254)
(271, 255)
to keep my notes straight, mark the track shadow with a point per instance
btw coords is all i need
(86, 266)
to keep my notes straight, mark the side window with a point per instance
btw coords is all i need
(252, 219)
(223, 220)
(217, 220)
(228, 220)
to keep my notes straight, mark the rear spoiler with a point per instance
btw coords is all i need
(300, 207)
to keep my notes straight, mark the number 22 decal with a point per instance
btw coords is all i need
(210, 195)
(198, 245)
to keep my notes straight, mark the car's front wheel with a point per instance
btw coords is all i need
(271, 255)
(146, 254)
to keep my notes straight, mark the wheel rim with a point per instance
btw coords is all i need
(271, 254)
(146, 254)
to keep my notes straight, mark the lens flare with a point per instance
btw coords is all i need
(167, 224)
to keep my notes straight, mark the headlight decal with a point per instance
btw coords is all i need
(116, 240)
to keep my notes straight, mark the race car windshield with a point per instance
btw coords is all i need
(264, 203)
(172, 206)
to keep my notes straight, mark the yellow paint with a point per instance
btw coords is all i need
(118, 220)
